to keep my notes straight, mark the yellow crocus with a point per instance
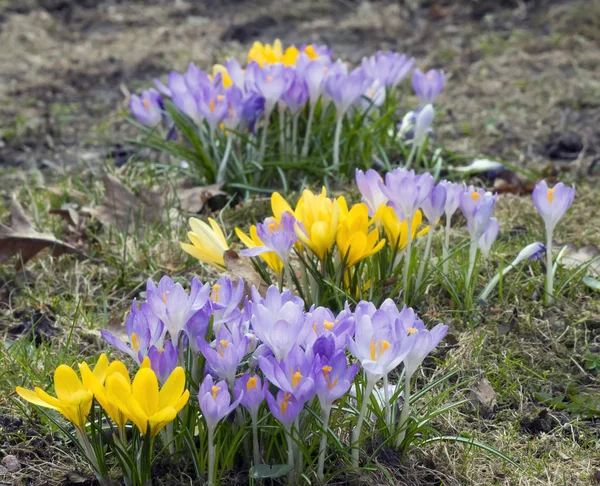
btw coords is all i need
(396, 230)
(354, 240)
(208, 242)
(318, 217)
(270, 258)
(270, 54)
(279, 206)
(143, 403)
(219, 68)
(73, 399)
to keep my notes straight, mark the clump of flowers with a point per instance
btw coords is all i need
(287, 104)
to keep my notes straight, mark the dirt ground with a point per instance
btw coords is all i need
(522, 75)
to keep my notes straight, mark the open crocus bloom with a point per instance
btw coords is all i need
(215, 401)
(73, 399)
(552, 203)
(208, 243)
(143, 403)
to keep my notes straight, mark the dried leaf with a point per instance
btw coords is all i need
(127, 212)
(72, 214)
(484, 397)
(22, 238)
(508, 181)
(193, 199)
(241, 267)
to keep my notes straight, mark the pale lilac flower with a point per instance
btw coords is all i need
(489, 237)
(453, 193)
(215, 401)
(368, 185)
(147, 108)
(374, 95)
(315, 73)
(252, 390)
(477, 207)
(213, 106)
(236, 73)
(433, 206)
(345, 90)
(553, 203)
(333, 378)
(229, 350)
(284, 407)
(423, 124)
(321, 321)
(406, 190)
(226, 299)
(428, 85)
(388, 67)
(234, 116)
(278, 237)
(271, 82)
(163, 361)
(293, 374)
(296, 96)
(424, 342)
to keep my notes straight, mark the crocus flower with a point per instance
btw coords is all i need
(229, 350)
(143, 403)
(208, 242)
(487, 239)
(173, 305)
(345, 90)
(73, 399)
(253, 391)
(477, 207)
(333, 379)
(144, 329)
(215, 401)
(553, 203)
(271, 82)
(315, 73)
(374, 95)
(424, 342)
(368, 185)
(434, 205)
(422, 124)
(147, 108)
(323, 322)
(253, 242)
(428, 85)
(226, 297)
(396, 226)
(296, 95)
(163, 361)
(278, 320)
(235, 108)
(406, 190)
(388, 67)
(453, 193)
(354, 240)
(317, 221)
(292, 374)
(213, 106)
(284, 407)
(271, 54)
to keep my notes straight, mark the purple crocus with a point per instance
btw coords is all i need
(374, 95)
(434, 204)
(422, 125)
(236, 73)
(489, 237)
(235, 108)
(315, 73)
(453, 193)
(271, 82)
(477, 207)
(278, 237)
(293, 374)
(144, 330)
(172, 304)
(284, 408)
(213, 105)
(163, 361)
(296, 95)
(406, 190)
(428, 85)
(253, 391)
(388, 67)
(226, 298)
(215, 401)
(333, 378)
(322, 322)
(425, 341)
(229, 350)
(370, 190)
(552, 203)
(147, 108)
(278, 320)
(345, 90)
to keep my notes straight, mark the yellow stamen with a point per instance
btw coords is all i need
(215, 390)
(164, 296)
(269, 78)
(224, 344)
(475, 195)
(215, 293)
(251, 383)
(412, 330)
(296, 377)
(328, 325)
(376, 346)
(283, 404)
(315, 328)
(146, 104)
(135, 342)
(550, 195)
(211, 106)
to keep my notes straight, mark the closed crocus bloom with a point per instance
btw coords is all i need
(215, 401)
(396, 229)
(487, 239)
(208, 242)
(422, 125)
(163, 361)
(453, 193)
(292, 374)
(252, 390)
(173, 305)
(315, 73)
(144, 329)
(226, 297)
(434, 205)
(296, 95)
(388, 67)
(143, 403)
(213, 106)
(424, 342)
(333, 378)
(374, 95)
(318, 218)
(229, 350)
(552, 203)
(271, 82)
(147, 108)
(252, 242)
(477, 206)
(346, 89)
(284, 407)
(73, 400)
(428, 85)
(354, 240)
(368, 185)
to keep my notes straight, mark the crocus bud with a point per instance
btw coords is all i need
(487, 239)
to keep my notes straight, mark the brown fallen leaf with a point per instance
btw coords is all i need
(242, 267)
(126, 211)
(193, 199)
(72, 214)
(483, 397)
(22, 238)
(509, 181)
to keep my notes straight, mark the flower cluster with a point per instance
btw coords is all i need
(287, 88)
(241, 353)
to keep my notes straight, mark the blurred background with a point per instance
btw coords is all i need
(523, 77)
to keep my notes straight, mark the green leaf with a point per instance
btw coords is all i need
(263, 471)
(592, 283)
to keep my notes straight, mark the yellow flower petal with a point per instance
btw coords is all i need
(66, 382)
(145, 391)
(172, 389)
(32, 397)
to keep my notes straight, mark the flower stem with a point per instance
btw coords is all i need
(223, 165)
(361, 418)
(323, 445)
(281, 133)
(404, 412)
(411, 156)
(211, 457)
(549, 268)
(336, 144)
(263, 138)
(295, 135)
(388, 408)
(407, 258)
(255, 446)
(446, 249)
(290, 451)
(472, 257)
(311, 114)
(425, 257)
